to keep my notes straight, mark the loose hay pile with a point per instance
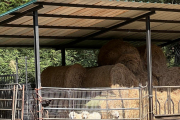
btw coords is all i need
(105, 76)
(63, 76)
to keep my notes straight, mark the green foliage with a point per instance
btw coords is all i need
(6, 5)
(86, 58)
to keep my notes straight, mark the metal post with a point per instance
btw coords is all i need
(63, 57)
(27, 93)
(17, 76)
(37, 57)
(140, 102)
(149, 66)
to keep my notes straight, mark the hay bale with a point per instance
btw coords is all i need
(170, 77)
(143, 78)
(118, 51)
(63, 76)
(132, 61)
(158, 60)
(105, 76)
(46, 76)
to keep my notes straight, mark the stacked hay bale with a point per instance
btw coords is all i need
(63, 76)
(158, 61)
(118, 51)
(170, 77)
(105, 76)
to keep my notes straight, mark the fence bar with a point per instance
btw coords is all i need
(17, 76)
(22, 107)
(156, 99)
(140, 101)
(149, 66)
(27, 92)
(13, 103)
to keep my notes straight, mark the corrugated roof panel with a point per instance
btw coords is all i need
(5, 17)
(23, 20)
(58, 10)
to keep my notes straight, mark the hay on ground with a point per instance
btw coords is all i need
(63, 76)
(161, 96)
(118, 51)
(105, 76)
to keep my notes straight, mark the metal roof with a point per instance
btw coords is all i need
(61, 22)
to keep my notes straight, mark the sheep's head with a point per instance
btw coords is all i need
(85, 114)
(72, 115)
(115, 114)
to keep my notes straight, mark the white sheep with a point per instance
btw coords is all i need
(87, 115)
(114, 114)
(74, 115)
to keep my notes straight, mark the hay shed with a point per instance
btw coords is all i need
(88, 24)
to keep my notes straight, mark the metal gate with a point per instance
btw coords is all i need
(11, 101)
(166, 100)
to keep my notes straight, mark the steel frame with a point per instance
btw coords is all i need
(98, 17)
(149, 66)
(108, 29)
(89, 28)
(37, 57)
(20, 15)
(107, 7)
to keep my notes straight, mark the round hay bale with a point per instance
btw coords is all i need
(118, 51)
(132, 61)
(158, 60)
(46, 76)
(171, 77)
(105, 76)
(74, 76)
(143, 78)
(63, 76)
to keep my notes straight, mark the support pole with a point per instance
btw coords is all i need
(149, 66)
(63, 57)
(17, 75)
(37, 57)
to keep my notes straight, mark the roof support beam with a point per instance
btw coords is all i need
(170, 42)
(98, 17)
(19, 15)
(50, 46)
(70, 37)
(89, 28)
(108, 29)
(107, 7)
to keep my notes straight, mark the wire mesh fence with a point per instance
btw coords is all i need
(102, 103)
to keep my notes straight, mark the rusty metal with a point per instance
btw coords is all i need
(22, 107)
